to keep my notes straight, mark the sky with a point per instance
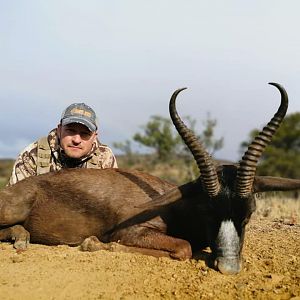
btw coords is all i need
(126, 58)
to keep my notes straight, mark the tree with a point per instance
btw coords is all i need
(207, 137)
(282, 156)
(159, 134)
(126, 148)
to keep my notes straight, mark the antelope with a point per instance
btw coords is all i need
(132, 211)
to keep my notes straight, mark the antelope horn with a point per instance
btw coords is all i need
(205, 164)
(248, 164)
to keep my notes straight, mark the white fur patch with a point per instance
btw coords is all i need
(228, 239)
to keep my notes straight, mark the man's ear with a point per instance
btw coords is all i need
(95, 136)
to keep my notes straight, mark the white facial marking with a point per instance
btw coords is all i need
(228, 239)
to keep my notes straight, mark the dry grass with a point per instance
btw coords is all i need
(177, 170)
(5, 171)
(279, 208)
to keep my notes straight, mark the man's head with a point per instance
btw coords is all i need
(77, 130)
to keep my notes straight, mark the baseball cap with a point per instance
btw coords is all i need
(80, 113)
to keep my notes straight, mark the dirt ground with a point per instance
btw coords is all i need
(271, 270)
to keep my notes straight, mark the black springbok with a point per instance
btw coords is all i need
(142, 213)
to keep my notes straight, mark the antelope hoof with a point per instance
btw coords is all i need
(183, 253)
(92, 244)
(21, 237)
(21, 244)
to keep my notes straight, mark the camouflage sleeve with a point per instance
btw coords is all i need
(107, 157)
(25, 164)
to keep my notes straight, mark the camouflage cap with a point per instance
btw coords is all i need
(80, 113)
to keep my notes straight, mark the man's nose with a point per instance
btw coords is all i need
(76, 138)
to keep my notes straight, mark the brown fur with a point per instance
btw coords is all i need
(71, 205)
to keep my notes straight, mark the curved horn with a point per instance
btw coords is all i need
(248, 164)
(205, 164)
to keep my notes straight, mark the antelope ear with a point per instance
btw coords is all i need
(268, 183)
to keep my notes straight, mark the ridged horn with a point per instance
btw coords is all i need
(248, 164)
(205, 164)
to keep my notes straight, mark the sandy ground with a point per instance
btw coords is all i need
(271, 271)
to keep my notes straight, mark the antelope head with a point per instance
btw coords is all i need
(225, 194)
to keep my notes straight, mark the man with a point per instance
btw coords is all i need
(73, 144)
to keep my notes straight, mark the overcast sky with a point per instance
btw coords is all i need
(125, 58)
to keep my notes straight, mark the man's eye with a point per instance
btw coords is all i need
(85, 135)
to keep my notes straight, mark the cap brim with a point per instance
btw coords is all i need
(84, 122)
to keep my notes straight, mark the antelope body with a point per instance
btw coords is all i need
(143, 213)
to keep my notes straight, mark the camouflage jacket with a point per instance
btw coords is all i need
(45, 155)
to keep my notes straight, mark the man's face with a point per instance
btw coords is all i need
(75, 139)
